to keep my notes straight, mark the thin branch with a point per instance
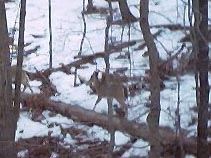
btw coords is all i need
(50, 36)
(84, 31)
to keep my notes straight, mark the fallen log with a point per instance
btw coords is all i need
(82, 59)
(168, 138)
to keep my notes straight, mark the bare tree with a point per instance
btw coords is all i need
(127, 16)
(154, 114)
(9, 111)
(84, 31)
(7, 120)
(200, 8)
(107, 63)
(125, 11)
(18, 77)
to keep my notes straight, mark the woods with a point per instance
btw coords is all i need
(112, 79)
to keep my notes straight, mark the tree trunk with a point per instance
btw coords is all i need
(90, 3)
(127, 16)
(202, 62)
(107, 63)
(7, 119)
(154, 115)
(18, 75)
(90, 6)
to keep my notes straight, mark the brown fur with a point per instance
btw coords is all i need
(108, 86)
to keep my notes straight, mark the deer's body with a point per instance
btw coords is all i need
(108, 86)
(24, 78)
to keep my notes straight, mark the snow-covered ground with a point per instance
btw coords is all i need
(67, 33)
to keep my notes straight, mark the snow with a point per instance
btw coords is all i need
(67, 34)
(139, 149)
(120, 138)
(98, 132)
(22, 153)
(68, 139)
(57, 119)
(28, 128)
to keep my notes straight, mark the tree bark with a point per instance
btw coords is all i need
(7, 119)
(18, 75)
(154, 114)
(111, 129)
(90, 4)
(202, 62)
(127, 16)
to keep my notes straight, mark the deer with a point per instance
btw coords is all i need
(108, 86)
(24, 78)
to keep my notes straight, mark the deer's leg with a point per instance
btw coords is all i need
(27, 85)
(31, 89)
(123, 105)
(97, 101)
(24, 88)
